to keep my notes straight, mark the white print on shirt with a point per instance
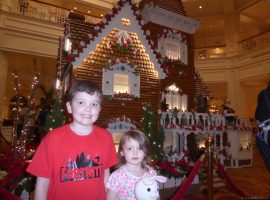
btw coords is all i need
(81, 169)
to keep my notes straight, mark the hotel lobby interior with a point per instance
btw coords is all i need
(231, 46)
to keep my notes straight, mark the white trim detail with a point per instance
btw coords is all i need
(169, 19)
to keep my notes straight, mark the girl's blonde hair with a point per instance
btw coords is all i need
(144, 144)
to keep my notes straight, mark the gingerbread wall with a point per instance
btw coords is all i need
(92, 69)
(151, 85)
(182, 76)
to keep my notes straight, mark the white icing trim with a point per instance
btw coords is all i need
(169, 19)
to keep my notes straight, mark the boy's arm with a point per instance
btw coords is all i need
(41, 188)
(106, 175)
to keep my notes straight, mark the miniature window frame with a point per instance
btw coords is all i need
(172, 49)
(175, 98)
(245, 140)
(177, 39)
(120, 69)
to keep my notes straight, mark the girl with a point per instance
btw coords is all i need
(133, 155)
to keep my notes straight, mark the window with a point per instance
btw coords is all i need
(172, 100)
(67, 45)
(175, 98)
(184, 102)
(120, 79)
(174, 46)
(121, 83)
(116, 139)
(245, 140)
(172, 50)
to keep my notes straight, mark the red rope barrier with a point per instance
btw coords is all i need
(180, 193)
(6, 195)
(231, 184)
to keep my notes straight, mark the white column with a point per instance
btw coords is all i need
(232, 37)
(3, 80)
(232, 27)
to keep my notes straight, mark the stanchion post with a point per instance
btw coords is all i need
(210, 169)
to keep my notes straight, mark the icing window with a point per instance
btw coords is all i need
(172, 50)
(121, 83)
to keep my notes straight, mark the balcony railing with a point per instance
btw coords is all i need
(258, 42)
(44, 11)
(210, 52)
(172, 120)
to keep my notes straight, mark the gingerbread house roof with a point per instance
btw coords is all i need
(95, 39)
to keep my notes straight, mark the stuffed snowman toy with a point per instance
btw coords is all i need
(147, 187)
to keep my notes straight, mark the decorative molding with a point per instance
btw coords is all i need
(120, 123)
(31, 34)
(167, 18)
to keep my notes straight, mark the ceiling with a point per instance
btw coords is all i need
(254, 14)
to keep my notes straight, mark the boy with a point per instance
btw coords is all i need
(73, 161)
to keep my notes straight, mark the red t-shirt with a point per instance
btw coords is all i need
(74, 164)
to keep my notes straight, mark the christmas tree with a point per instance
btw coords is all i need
(154, 133)
(56, 117)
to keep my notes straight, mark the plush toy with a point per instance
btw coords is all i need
(147, 187)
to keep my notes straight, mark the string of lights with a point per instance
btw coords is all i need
(21, 138)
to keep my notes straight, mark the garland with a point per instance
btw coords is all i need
(174, 34)
(168, 61)
(123, 96)
(124, 46)
(113, 62)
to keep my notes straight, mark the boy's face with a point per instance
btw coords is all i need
(85, 108)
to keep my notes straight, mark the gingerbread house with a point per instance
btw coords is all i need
(144, 55)
(136, 55)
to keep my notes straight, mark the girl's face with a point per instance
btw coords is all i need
(85, 108)
(132, 152)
